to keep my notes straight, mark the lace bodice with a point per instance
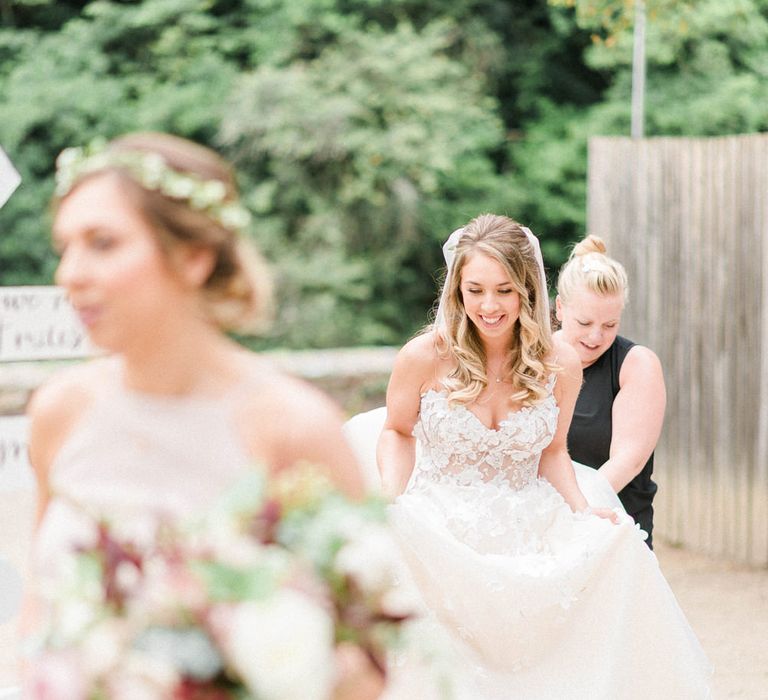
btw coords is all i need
(456, 447)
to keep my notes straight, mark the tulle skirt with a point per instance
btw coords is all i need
(524, 599)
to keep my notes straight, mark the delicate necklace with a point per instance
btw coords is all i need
(496, 375)
(495, 384)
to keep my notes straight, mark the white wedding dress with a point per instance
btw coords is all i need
(526, 599)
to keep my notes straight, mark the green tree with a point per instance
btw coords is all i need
(420, 156)
(707, 75)
(366, 130)
(109, 69)
(362, 160)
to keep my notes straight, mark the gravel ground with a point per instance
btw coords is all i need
(727, 606)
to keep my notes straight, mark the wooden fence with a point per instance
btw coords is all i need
(689, 220)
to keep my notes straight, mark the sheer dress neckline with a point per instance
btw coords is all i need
(457, 447)
(509, 417)
(169, 453)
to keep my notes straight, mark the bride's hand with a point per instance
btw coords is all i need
(607, 513)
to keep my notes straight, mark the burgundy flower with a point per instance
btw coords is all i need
(191, 689)
(263, 525)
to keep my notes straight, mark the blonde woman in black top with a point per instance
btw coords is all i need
(620, 409)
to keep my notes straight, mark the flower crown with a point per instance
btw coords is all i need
(152, 172)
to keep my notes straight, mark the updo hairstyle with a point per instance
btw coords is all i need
(589, 267)
(237, 292)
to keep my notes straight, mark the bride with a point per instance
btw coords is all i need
(533, 593)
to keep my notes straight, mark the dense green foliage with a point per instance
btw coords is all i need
(364, 131)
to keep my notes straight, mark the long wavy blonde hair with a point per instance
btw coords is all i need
(527, 368)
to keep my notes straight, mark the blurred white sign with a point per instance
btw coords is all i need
(37, 323)
(9, 178)
(15, 472)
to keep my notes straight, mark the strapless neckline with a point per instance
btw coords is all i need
(457, 447)
(510, 417)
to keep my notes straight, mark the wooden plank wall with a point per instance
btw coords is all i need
(689, 220)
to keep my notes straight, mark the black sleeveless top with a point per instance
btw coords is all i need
(589, 437)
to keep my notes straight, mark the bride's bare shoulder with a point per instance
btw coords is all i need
(285, 421)
(422, 348)
(420, 355)
(275, 387)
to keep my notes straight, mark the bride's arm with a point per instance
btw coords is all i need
(396, 450)
(555, 465)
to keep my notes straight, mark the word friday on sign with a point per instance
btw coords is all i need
(46, 340)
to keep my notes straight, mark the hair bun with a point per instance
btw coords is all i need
(590, 267)
(591, 244)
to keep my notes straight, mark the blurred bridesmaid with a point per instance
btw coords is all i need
(155, 262)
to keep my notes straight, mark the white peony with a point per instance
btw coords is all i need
(282, 647)
(103, 646)
(371, 558)
(142, 676)
(74, 619)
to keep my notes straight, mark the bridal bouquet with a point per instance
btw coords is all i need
(250, 601)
